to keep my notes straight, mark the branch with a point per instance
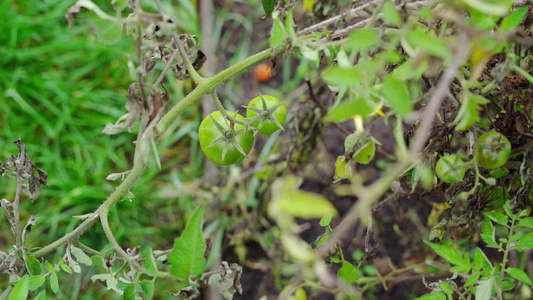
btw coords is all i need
(370, 195)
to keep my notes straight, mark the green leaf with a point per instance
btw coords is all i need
(65, 268)
(187, 258)
(514, 19)
(305, 205)
(149, 264)
(448, 253)
(472, 279)
(497, 8)
(32, 264)
(49, 267)
(54, 283)
(20, 290)
(497, 217)
(289, 27)
(519, 274)
(268, 6)
(343, 168)
(348, 109)
(446, 288)
(362, 39)
(397, 93)
(147, 287)
(481, 262)
(484, 289)
(526, 222)
(129, 292)
(526, 242)
(348, 272)
(98, 261)
(36, 282)
(428, 43)
(277, 34)
(81, 257)
(365, 153)
(390, 15)
(325, 221)
(468, 114)
(435, 296)
(41, 296)
(489, 233)
(410, 69)
(338, 76)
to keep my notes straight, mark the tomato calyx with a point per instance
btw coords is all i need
(265, 114)
(228, 138)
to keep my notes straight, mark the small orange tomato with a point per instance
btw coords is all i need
(262, 72)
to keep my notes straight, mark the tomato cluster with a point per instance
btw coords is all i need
(491, 151)
(227, 137)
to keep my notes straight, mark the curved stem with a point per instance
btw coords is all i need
(208, 86)
(223, 110)
(203, 88)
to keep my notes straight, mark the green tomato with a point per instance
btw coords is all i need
(299, 294)
(273, 113)
(450, 168)
(224, 146)
(492, 150)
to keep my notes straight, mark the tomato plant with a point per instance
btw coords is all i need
(222, 141)
(450, 168)
(492, 150)
(267, 112)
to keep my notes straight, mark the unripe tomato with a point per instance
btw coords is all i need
(272, 111)
(492, 150)
(262, 72)
(450, 168)
(222, 148)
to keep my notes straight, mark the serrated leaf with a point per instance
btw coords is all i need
(348, 272)
(391, 15)
(519, 274)
(397, 92)
(468, 114)
(36, 282)
(514, 19)
(472, 279)
(277, 34)
(446, 288)
(187, 258)
(54, 282)
(305, 205)
(98, 261)
(433, 296)
(149, 264)
(526, 222)
(32, 264)
(450, 254)
(20, 290)
(129, 292)
(348, 109)
(147, 287)
(497, 217)
(484, 289)
(81, 257)
(66, 268)
(428, 43)
(338, 76)
(268, 7)
(362, 39)
(497, 8)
